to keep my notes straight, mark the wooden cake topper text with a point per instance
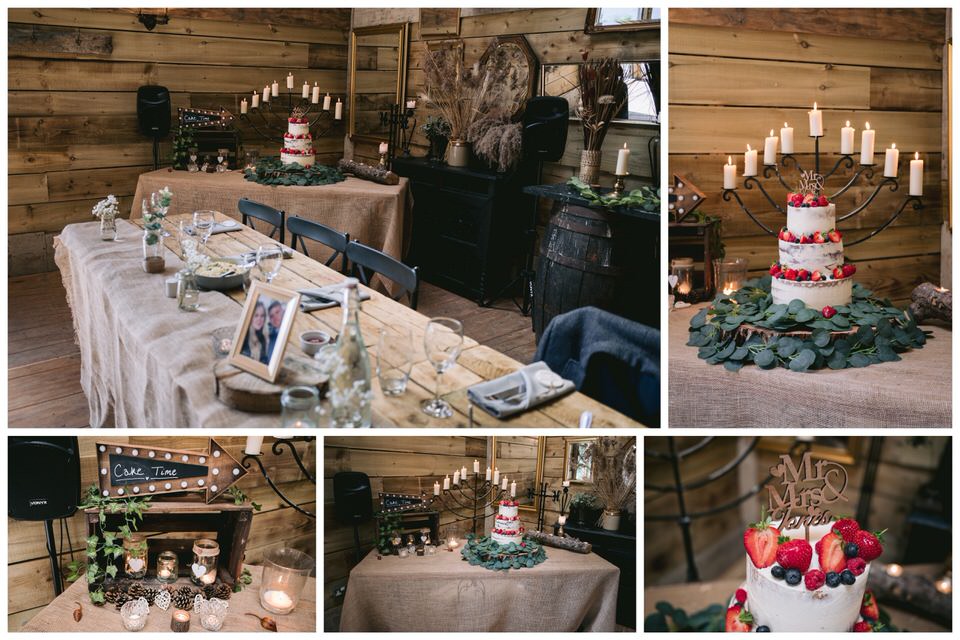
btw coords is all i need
(805, 491)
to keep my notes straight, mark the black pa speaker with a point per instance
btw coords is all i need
(153, 111)
(44, 477)
(352, 497)
(545, 123)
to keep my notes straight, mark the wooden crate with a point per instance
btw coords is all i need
(412, 522)
(227, 523)
(700, 241)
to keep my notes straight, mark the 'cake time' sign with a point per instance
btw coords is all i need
(805, 491)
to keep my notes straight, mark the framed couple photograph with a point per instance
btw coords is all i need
(261, 337)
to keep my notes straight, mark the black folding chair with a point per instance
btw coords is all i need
(250, 209)
(301, 228)
(365, 262)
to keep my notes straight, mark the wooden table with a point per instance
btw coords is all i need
(476, 362)
(58, 615)
(914, 392)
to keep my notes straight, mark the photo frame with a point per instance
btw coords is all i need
(261, 337)
(439, 23)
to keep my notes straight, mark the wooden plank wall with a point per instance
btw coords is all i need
(557, 37)
(718, 539)
(736, 73)
(30, 585)
(73, 77)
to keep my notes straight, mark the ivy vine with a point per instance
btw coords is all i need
(871, 330)
(488, 553)
(271, 171)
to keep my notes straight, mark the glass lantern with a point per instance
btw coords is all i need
(167, 567)
(682, 268)
(730, 274)
(203, 571)
(135, 556)
(285, 572)
(300, 407)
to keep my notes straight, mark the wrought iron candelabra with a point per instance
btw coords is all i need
(469, 499)
(277, 450)
(846, 161)
(398, 120)
(558, 495)
(269, 119)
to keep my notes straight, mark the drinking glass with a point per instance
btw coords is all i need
(394, 360)
(269, 260)
(189, 243)
(442, 342)
(203, 222)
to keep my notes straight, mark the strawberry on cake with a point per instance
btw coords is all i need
(297, 142)
(792, 585)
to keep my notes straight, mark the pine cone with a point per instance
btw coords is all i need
(183, 598)
(219, 590)
(137, 590)
(121, 599)
(150, 595)
(110, 593)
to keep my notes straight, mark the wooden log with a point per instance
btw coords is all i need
(565, 542)
(916, 591)
(930, 302)
(368, 172)
(246, 392)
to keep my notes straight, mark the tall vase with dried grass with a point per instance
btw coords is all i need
(614, 475)
(603, 93)
(456, 92)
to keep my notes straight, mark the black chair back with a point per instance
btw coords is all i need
(301, 228)
(365, 262)
(274, 217)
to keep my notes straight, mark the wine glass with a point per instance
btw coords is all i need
(269, 260)
(203, 222)
(442, 342)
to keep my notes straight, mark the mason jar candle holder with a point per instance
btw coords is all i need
(285, 572)
(167, 567)
(135, 556)
(730, 274)
(134, 614)
(203, 571)
(682, 269)
(300, 407)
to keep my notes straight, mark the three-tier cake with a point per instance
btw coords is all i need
(297, 142)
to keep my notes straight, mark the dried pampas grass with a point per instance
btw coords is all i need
(497, 141)
(614, 470)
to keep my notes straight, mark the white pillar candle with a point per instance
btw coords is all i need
(383, 149)
(561, 520)
(566, 483)
(266, 94)
(786, 139)
(816, 121)
(503, 484)
(496, 476)
(256, 100)
(306, 91)
(446, 483)
(867, 137)
(476, 463)
(623, 157)
(290, 81)
(315, 97)
(275, 89)
(326, 102)
(513, 489)
(892, 162)
(279, 600)
(411, 104)
(456, 477)
(916, 175)
(846, 139)
(729, 174)
(436, 488)
(750, 162)
(488, 474)
(770, 149)
(254, 444)
(463, 473)
(338, 112)
(243, 106)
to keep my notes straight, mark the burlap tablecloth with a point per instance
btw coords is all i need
(914, 392)
(375, 214)
(443, 593)
(142, 360)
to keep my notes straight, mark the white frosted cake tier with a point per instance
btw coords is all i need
(804, 221)
(298, 129)
(304, 160)
(508, 511)
(786, 608)
(812, 257)
(299, 144)
(505, 539)
(508, 524)
(816, 295)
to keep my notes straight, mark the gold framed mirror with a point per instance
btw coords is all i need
(520, 458)
(378, 77)
(621, 19)
(577, 460)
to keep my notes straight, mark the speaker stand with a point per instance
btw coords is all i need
(52, 552)
(356, 540)
(156, 153)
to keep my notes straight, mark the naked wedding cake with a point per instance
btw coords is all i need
(506, 526)
(798, 585)
(297, 142)
(811, 267)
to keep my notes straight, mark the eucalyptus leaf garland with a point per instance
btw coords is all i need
(645, 198)
(488, 553)
(873, 331)
(271, 171)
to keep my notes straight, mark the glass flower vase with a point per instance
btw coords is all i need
(108, 228)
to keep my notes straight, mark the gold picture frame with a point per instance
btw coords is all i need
(254, 349)
(646, 21)
(541, 447)
(387, 36)
(439, 23)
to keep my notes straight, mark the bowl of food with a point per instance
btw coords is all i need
(311, 341)
(221, 274)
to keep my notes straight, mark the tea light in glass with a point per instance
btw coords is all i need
(429, 550)
(134, 614)
(203, 571)
(135, 556)
(402, 552)
(167, 568)
(300, 407)
(180, 621)
(730, 274)
(411, 547)
(222, 341)
(285, 573)
(212, 613)
(452, 543)
(682, 268)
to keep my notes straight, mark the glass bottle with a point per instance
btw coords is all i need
(350, 393)
(108, 228)
(203, 571)
(188, 291)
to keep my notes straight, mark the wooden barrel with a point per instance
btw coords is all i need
(579, 265)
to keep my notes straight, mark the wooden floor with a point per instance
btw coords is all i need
(44, 362)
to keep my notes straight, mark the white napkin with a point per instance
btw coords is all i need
(519, 391)
(325, 297)
(219, 227)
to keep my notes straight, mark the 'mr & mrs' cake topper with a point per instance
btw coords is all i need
(805, 492)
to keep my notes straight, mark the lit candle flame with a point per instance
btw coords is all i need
(893, 146)
(728, 290)
(771, 133)
(785, 125)
(848, 123)
(916, 155)
(814, 106)
(748, 148)
(894, 570)
(729, 159)
(868, 125)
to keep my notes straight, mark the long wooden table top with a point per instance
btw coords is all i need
(58, 615)
(475, 364)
